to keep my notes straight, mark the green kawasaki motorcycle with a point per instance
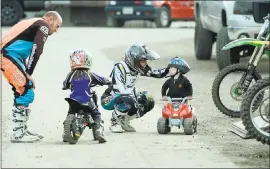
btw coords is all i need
(249, 70)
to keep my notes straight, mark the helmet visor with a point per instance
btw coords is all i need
(151, 55)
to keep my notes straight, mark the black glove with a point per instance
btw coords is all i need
(64, 88)
(66, 85)
(108, 83)
(146, 71)
(141, 111)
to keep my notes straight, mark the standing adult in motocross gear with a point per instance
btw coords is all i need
(120, 97)
(23, 41)
(79, 80)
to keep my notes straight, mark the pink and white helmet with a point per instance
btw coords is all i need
(80, 58)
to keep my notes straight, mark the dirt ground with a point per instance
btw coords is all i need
(213, 146)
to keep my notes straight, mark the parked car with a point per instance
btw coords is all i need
(163, 13)
(12, 11)
(77, 12)
(223, 22)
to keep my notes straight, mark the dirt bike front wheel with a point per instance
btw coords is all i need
(70, 127)
(216, 88)
(257, 91)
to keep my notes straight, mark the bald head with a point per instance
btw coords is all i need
(53, 14)
(54, 20)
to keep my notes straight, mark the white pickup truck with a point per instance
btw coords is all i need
(223, 22)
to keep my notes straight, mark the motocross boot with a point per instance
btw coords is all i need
(20, 133)
(125, 123)
(100, 130)
(115, 126)
(28, 111)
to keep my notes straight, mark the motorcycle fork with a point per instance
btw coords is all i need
(80, 121)
(247, 77)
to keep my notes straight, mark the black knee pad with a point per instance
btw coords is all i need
(93, 107)
(125, 104)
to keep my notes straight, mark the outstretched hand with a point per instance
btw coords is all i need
(164, 98)
(146, 73)
(30, 78)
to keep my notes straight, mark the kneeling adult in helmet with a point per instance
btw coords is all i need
(127, 101)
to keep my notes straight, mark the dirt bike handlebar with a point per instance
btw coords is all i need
(183, 100)
(106, 84)
(267, 17)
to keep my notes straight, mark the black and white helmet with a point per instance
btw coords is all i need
(137, 52)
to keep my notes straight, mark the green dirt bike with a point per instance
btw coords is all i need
(249, 70)
(257, 127)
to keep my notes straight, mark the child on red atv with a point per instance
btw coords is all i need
(179, 86)
(177, 112)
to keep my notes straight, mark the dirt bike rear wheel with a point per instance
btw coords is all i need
(216, 87)
(69, 125)
(162, 126)
(247, 111)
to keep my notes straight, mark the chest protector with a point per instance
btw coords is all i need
(130, 77)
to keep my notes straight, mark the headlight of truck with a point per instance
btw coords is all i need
(148, 2)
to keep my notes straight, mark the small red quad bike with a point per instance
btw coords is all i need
(177, 112)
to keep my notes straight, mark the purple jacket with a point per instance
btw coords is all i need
(81, 86)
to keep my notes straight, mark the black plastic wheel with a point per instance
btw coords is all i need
(162, 126)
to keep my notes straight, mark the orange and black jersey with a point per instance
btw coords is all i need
(24, 41)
